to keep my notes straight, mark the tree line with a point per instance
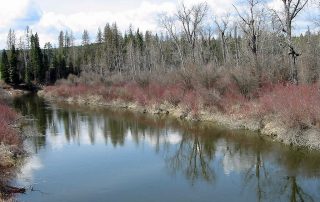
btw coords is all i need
(257, 41)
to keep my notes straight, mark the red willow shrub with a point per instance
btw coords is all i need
(7, 114)
(173, 95)
(8, 135)
(290, 103)
(192, 101)
(295, 105)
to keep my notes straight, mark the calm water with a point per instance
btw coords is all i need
(99, 155)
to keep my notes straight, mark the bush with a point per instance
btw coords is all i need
(173, 95)
(143, 79)
(8, 135)
(208, 77)
(295, 105)
(237, 93)
(246, 81)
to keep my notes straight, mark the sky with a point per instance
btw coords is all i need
(48, 17)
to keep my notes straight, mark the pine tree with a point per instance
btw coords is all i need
(61, 40)
(85, 38)
(37, 59)
(139, 40)
(99, 38)
(85, 48)
(11, 39)
(13, 69)
(4, 67)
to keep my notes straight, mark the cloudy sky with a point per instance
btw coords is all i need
(48, 17)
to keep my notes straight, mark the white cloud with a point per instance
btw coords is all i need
(3, 38)
(11, 11)
(275, 5)
(26, 176)
(171, 138)
(143, 17)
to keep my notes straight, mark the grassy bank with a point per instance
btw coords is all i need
(288, 113)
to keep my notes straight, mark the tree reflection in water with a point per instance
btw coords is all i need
(193, 157)
(194, 150)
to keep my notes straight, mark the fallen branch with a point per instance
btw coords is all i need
(7, 190)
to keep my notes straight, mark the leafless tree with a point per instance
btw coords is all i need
(169, 24)
(251, 26)
(291, 9)
(223, 25)
(317, 20)
(191, 19)
(185, 27)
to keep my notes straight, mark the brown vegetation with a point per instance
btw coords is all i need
(10, 149)
(201, 93)
(8, 135)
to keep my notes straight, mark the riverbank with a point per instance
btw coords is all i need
(10, 139)
(11, 143)
(285, 113)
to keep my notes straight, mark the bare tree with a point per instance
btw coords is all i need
(169, 24)
(207, 37)
(222, 26)
(191, 19)
(317, 19)
(251, 26)
(185, 25)
(291, 9)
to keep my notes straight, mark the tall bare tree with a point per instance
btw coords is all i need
(169, 24)
(291, 9)
(223, 25)
(191, 20)
(251, 26)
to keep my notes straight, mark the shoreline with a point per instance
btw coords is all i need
(11, 146)
(268, 127)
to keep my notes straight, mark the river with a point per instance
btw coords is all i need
(93, 154)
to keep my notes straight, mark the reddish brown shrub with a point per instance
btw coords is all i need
(8, 135)
(7, 114)
(192, 101)
(173, 95)
(293, 104)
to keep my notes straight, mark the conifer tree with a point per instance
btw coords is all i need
(4, 67)
(36, 59)
(85, 46)
(13, 69)
(99, 38)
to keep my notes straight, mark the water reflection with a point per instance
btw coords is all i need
(193, 157)
(199, 152)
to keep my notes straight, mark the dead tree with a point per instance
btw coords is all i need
(291, 8)
(251, 26)
(222, 26)
(169, 24)
(191, 19)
